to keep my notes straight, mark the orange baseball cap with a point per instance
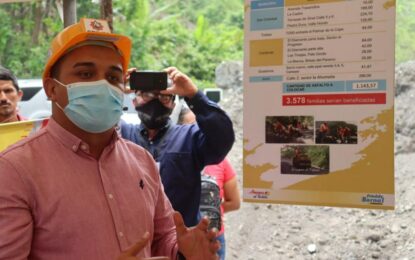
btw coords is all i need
(93, 30)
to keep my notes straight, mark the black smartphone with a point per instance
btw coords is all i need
(148, 80)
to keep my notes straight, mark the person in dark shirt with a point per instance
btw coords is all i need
(181, 151)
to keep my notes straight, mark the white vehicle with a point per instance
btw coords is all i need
(34, 103)
(129, 115)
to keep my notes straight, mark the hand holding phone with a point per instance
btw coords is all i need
(182, 85)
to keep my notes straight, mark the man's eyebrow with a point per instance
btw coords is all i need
(116, 68)
(92, 64)
(80, 64)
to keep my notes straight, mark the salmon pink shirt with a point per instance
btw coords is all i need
(58, 202)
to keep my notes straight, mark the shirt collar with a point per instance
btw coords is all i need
(69, 140)
(21, 118)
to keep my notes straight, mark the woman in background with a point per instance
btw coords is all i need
(225, 177)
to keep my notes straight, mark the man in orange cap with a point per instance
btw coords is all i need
(76, 190)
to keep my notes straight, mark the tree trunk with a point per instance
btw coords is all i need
(38, 22)
(106, 12)
(69, 12)
(47, 13)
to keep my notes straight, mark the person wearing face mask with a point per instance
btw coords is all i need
(181, 151)
(10, 95)
(76, 189)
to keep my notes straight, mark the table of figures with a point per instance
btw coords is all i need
(318, 77)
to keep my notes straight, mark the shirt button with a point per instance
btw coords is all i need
(110, 196)
(191, 106)
(121, 234)
(151, 142)
(74, 148)
(83, 147)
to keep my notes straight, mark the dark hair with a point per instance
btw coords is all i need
(183, 112)
(6, 74)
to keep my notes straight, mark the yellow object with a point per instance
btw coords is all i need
(389, 4)
(86, 30)
(266, 53)
(11, 133)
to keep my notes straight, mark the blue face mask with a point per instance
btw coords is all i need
(94, 106)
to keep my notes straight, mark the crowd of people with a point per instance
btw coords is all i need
(89, 186)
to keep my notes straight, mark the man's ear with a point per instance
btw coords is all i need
(50, 88)
(135, 103)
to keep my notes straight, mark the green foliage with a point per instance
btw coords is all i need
(319, 156)
(288, 152)
(181, 35)
(405, 31)
(16, 50)
(189, 35)
(194, 36)
(88, 9)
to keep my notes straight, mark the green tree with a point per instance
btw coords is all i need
(319, 156)
(186, 34)
(178, 34)
(193, 35)
(405, 31)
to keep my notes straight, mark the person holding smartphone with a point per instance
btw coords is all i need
(181, 151)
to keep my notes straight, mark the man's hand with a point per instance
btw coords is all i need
(196, 243)
(130, 254)
(182, 84)
(127, 89)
